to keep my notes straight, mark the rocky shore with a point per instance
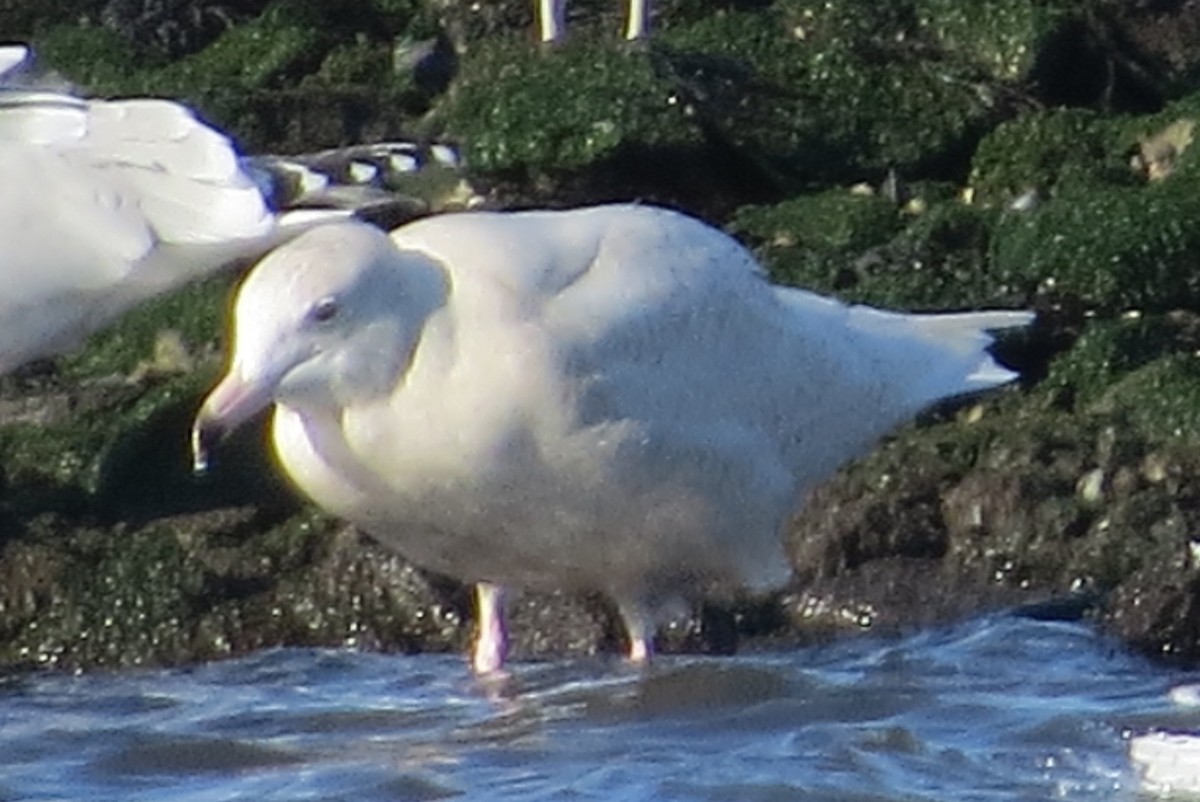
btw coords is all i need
(936, 155)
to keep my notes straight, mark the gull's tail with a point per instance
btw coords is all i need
(930, 357)
(970, 334)
(921, 358)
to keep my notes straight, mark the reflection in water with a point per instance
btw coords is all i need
(1000, 708)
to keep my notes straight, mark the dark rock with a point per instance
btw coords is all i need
(1075, 494)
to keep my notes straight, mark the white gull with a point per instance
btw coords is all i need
(609, 399)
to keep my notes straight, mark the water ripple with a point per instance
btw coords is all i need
(1001, 708)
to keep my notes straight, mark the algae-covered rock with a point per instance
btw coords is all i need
(1052, 152)
(836, 220)
(931, 253)
(825, 92)
(300, 74)
(1004, 37)
(539, 111)
(1011, 506)
(1115, 248)
(786, 94)
(811, 240)
(206, 585)
(20, 19)
(1011, 183)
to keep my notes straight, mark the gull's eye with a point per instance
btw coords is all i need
(325, 309)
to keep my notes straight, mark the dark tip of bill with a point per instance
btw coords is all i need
(204, 438)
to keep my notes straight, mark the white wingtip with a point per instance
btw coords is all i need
(989, 374)
(12, 59)
(972, 331)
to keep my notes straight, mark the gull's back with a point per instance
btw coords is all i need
(671, 320)
(630, 371)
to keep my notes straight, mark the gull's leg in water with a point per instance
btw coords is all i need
(640, 627)
(491, 643)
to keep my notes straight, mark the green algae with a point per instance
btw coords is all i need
(93, 58)
(360, 62)
(1162, 398)
(249, 80)
(188, 588)
(834, 220)
(21, 20)
(114, 554)
(108, 393)
(802, 92)
(522, 109)
(1107, 351)
(809, 241)
(866, 249)
(828, 93)
(1004, 37)
(1117, 248)
(195, 312)
(1052, 152)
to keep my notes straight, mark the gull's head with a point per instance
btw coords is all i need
(326, 321)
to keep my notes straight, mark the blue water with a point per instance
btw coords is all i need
(1001, 708)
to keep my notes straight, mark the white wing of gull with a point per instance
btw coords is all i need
(609, 399)
(12, 57)
(104, 204)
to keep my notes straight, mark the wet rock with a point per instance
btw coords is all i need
(174, 28)
(923, 155)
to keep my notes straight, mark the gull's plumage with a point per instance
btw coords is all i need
(611, 399)
(104, 204)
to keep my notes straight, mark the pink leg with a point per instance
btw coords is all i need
(641, 650)
(641, 634)
(638, 24)
(551, 19)
(491, 644)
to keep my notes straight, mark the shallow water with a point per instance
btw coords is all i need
(1002, 708)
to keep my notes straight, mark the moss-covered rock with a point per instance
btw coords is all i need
(836, 220)
(208, 585)
(1053, 152)
(932, 253)
(1000, 507)
(541, 111)
(823, 91)
(1004, 37)
(1117, 248)
(299, 75)
(111, 552)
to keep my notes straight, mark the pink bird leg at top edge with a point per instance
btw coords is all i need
(552, 19)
